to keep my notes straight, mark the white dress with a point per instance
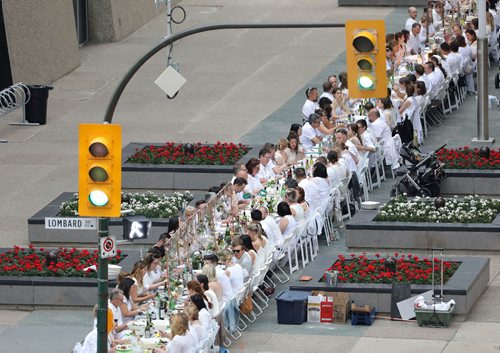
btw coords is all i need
(212, 298)
(182, 344)
(292, 223)
(299, 212)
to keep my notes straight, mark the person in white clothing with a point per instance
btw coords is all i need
(241, 257)
(266, 167)
(420, 74)
(412, 13)
(383, 135)
(270, 226)
(310, 133)
(327, 91)
(436, 79)
(233, 270)
(414, 41)
(453, 60)
(115, 299)
(297, 210)
(254, 184)
(369, 142)
(222, 279)
(195, 325)
(287, 222)
(336, 171)
(311, 103)
(182, 341)
(341, 135)
(320, 187)
(210, 294)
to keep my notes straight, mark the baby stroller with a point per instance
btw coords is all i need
(423, 176)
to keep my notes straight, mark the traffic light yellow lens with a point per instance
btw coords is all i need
(98, 174)
(365, 82)
(98, 198)
(365, 64)
(98, 149)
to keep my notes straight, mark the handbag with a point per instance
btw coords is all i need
(405, 130)
(246, 306)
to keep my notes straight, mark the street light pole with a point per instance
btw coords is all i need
(102, 292)
(482, 79)
(110, 110)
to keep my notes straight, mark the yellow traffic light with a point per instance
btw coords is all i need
(99, 175)
(366, 68)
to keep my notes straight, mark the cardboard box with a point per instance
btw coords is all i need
(326, 313)
(341, 305)
(313, 308)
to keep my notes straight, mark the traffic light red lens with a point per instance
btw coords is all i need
(98, 174)
(365, 64)
(363, 44)
(98, 149)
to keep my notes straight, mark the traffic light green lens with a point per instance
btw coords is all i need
(98, 174)
(98, 149)
(363, 44)
(98, 198)
(365, 82)
(364, 64)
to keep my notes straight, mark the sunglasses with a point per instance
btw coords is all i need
(236, 251)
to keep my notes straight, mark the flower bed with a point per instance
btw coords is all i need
(33, 262)
(196, 154)
(468, 158)
(407, 268)
(197, 173)
(471, 209)
(148, 205)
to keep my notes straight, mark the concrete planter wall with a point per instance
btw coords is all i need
(175, 177)
(56, 291)
(363, 232)
(38, 235)
(470, 182)
(465, 286)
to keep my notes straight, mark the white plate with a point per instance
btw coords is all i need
(370, 205)
(149, 342)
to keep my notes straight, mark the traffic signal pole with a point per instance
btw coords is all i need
(102, 292)
(110, 110)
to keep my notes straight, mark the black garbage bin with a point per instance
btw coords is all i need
(36, 108)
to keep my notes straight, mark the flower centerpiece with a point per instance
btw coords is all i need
(469, 158)
(148, 205)
(190, 154)
(470, 209)
(402, 268)
(41, 262)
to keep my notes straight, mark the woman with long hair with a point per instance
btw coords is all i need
(295, 207)
(128, 309)
(182, 341)
(301, 199)
(248, 246)
(280, 156)
(153, 278)
(294, 151)
(138, 293)
(209, 271)
(210, 294)
(353, 134)
(339, 108)
(287, 222)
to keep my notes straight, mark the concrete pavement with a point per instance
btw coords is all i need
(244, 85)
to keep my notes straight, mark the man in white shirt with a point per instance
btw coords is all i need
(412, 13)
(266, 168)
(327, 91)
(414, 40)
(310, 133)
(311, 103)
(383, 135)
(420, 74)
(341, 135)
(436, 79)
(369, 142)
(452, 57)
(115, 299)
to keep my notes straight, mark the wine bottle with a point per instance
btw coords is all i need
(149, 326)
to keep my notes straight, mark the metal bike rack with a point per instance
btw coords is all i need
(12, 98)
